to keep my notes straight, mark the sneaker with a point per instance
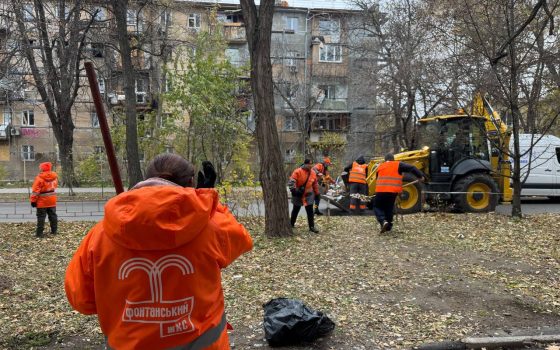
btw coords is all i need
(313, 229)
(384, 227)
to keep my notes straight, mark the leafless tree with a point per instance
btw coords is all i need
(507, 37)
(120, 8)
(259, 30)
(407, 55)
(52, 40)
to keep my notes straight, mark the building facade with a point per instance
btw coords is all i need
(321, 80)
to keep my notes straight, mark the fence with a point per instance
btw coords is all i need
(18, 211)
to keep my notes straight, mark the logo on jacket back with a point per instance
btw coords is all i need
(50, 186)
(173, 316)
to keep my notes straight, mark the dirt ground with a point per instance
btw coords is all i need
(435, 277)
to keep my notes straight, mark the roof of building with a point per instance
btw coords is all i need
(306, 4)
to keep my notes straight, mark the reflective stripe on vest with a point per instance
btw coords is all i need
(47, 194)
(358, 173)
(388, 178)
(204, 340)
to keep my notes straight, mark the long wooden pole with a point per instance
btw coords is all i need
(102, 117)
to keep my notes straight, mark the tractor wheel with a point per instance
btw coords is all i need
(479, 193)
(410, 199)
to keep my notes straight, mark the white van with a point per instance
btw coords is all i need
(544, 174)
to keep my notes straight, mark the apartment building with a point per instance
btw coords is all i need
(321, 82)
(324, 79)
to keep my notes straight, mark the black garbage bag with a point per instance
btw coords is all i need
(290, 322)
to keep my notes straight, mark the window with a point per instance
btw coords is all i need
(7, 116)
(27, 153)
(99, 14)
(290, 59)
(290, 154)
(98, 149)
(329, 91)
(194, 21)
(165, 19)
(97, 50)
(290, 123)
(101, 83)
(130, 17)
(27, 118)
(291, 23)
(330, 122)
(94, 120)
(330, 53)
(229, 18)
(140, 91)
(329, 27)
(28, 12)
(165, 120)
(233, 56)
(558, 154)
(167, 85)
(291, 91)
(57, 11)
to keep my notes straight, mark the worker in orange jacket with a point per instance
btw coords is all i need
(150, 269)
(388, 186)
(357, 175)
(304, 188)
(323, 179)
(43, 197)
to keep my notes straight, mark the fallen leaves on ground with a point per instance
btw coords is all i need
(434, 277)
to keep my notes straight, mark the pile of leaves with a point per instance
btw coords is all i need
(434, 277)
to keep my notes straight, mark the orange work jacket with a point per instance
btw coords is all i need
(150, 269)
(358, 173)
(311, 186)
(388, 177)
(319, 168)
(43, 189)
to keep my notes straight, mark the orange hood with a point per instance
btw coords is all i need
(159, 217)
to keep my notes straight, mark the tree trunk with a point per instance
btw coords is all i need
(515, 116)
(57, 82)
(259, 32)
(133, 160)
(67, 162)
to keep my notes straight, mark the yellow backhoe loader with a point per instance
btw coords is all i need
(464, 156)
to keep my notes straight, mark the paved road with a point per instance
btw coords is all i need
(92, 210)
(533, 205)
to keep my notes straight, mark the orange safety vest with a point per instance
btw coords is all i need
(43, 189)
(151, 268)
(388, 178)
(358, 173)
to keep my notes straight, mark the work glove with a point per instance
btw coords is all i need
(34, 204)
(207, 176)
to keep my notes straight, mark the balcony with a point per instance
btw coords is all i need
(333, 104)
(234, 33)
(338, 122)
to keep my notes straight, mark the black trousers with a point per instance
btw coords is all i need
(384, 204)
(41, 216)
(308, 210)
(355, 203)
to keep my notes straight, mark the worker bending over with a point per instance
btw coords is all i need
(324, 180)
